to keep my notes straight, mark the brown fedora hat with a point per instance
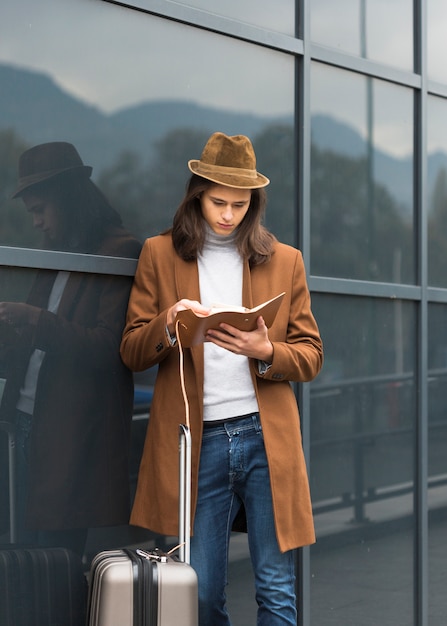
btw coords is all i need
(229, 161)
(47, 160)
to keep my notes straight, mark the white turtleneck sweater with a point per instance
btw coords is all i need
(227, 388)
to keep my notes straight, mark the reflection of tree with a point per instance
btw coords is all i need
(345, 241)
(437, 232)
(148, 195)
(275, 158)
(15, 227)
(341, 225)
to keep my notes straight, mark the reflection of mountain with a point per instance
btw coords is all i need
(394, 173)
(38, 110)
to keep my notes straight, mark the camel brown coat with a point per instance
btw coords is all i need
(162, 279)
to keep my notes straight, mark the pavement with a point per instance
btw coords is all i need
(361, 574)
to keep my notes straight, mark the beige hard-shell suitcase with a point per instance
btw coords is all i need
(148, 588)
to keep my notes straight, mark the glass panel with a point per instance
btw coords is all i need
(437, 190)
(64, 388)
(361, 177)
(278, 15)
(436, 41)
(437, 460)
(136, 110)
(363, 412)
(118, 85)
(378, 30)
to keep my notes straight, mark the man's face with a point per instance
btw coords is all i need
(45, 214)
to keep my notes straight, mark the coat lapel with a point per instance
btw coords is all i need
(186, 279)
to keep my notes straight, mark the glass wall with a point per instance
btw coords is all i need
(436, 43)
(373, 29)
(137, 95)
(362, 461)
(437, 190)
(353, 139)
(437, 474)
(131, 110)
(362, 214)
(437, 349)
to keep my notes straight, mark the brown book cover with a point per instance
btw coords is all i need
(192, 328)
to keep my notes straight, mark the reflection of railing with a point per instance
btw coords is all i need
(361, 494)
(359, 442)
(9, 429)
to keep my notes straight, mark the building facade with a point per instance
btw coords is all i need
(344, 103)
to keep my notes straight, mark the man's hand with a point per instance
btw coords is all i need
(254, 344)
(19, 314)
(182, 305)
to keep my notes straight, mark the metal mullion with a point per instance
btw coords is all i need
(421, 430)
(351, 287)
(28, 258)
(302, 132)
(363, 66)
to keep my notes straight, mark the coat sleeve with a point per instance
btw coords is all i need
(297, 345)
(145, 342)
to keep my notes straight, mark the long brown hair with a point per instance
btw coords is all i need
(253, 240)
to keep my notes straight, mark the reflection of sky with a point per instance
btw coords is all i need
(113, 57)
(437, 125)
(437, 40)
(389, 31)
(388, 28)
(344, 95)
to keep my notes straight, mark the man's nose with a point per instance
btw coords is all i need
(37, 220)
(227, 212)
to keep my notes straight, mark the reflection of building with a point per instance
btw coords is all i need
(133, 89)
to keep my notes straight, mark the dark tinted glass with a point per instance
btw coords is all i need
(136, 110)
(362, 462)
(361, 177)
(437, 191)
(378, 30)
(137, 96)
(437, 460)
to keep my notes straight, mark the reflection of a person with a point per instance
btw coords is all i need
(67, 389)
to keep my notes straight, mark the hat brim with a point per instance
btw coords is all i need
(235, 180)
(34, 179)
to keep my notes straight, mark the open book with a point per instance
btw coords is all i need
(192, 328)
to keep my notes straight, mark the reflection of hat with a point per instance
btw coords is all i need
(229, 161)
(47, 160)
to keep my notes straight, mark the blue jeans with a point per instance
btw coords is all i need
(234, 471)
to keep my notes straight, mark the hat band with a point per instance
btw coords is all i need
(211, 170)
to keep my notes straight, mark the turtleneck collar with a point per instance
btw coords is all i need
(213, 240)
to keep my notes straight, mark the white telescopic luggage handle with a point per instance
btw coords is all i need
(185, 493)
(184, 466)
